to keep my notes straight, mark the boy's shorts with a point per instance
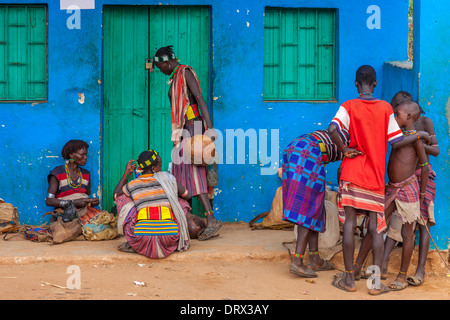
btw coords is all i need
(395, 227)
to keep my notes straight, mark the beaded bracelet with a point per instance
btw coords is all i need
(423, 164)
(125, 175)
(409, 132)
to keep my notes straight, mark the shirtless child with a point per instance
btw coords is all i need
(403, 192)
(426, 207)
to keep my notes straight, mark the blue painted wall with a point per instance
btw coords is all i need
(244, 192)
(398, 75)
(432, 73)
(427, 78)
(32, 135)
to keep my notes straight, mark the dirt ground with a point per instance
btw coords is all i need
(240, 264)
(215, 280)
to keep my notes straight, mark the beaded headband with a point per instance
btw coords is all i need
(147, 159)
(150, 62)
(164, 58)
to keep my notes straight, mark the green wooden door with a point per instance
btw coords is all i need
(125, 95)
(136, 113)
(187, 30)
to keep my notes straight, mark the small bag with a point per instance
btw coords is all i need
(9, 217)
(70, 212)
(65, 231)
(273, 219)
(67, 214)
(212, 175)
(36, 234)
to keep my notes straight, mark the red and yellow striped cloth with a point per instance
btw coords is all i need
(155, 221)
(155, 228)
(155, 213)
(363, 199)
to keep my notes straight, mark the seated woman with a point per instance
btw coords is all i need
(70, 182)
(155, 219)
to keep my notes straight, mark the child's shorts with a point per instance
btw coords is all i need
(395, 227)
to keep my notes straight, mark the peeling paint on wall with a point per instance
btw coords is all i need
(81, 98)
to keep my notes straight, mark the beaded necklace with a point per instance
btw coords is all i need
(417, 122)
(365, 94)
(408, 132)
(172, 75)
(69, 179)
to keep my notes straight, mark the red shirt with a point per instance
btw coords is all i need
(371, 124)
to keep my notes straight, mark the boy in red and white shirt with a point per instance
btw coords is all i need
(371, 124)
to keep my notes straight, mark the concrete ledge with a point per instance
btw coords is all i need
(401, 64)
(237, 242)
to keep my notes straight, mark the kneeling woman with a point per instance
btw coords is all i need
(155, 224)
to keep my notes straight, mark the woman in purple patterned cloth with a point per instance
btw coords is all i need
(303, 185)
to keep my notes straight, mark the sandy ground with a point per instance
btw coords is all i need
(239, 265)
(216, 280)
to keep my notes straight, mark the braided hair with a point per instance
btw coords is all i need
(148, 159)
(166, 51)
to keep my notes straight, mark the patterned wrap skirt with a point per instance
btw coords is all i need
(156, 246)
(362, 199)
(405, 194)
(427, 206)
(192, 177)
(303, 183)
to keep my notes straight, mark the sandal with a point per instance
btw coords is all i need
(125, 247)
(209, 232)
(398, 285)
(337, 279)
(383, 289)
(326, 266)
(308, 273)
(414, 281)
(357, 276)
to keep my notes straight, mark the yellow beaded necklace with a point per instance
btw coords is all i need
(69, 178)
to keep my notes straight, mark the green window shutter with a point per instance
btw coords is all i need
(23, 53)
(299, 54)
